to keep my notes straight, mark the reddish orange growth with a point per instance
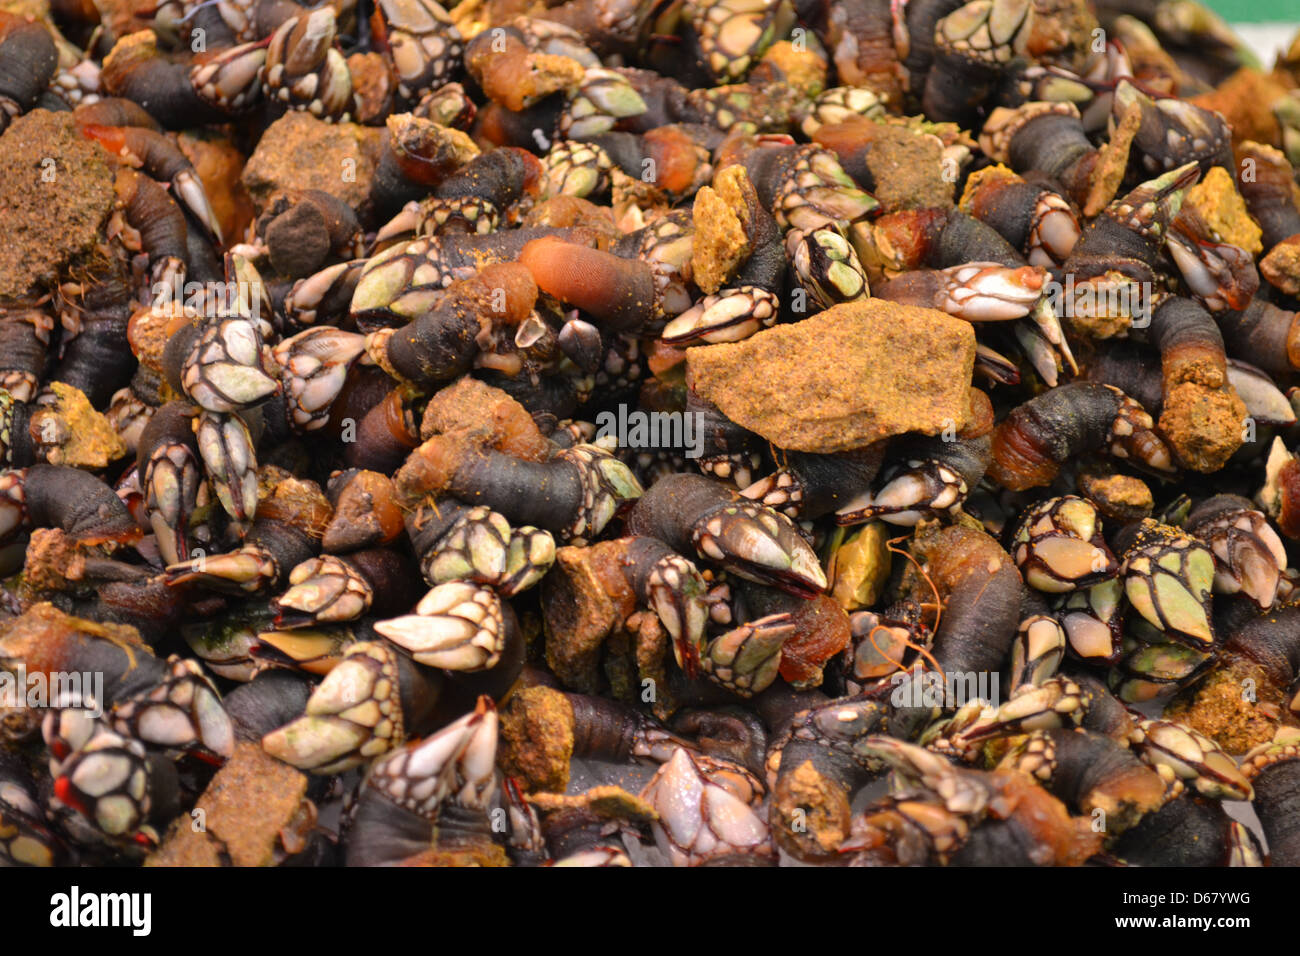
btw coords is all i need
(1017, 461)
(675, 157)
(1288, 517)
(596, 281)
(112, 138)
(505, 290)
(471, 405)
(822, 630)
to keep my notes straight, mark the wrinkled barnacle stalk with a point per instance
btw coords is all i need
(573, 494)
(137, 70)
(366, 706)
(29, 46)
(1035, 220)
(1188, 831)
(701, 818)
(1248, 554)
(690, 513)
(24, 345)
(1270, 641)
(430, 798)
(980, 594)
(1059, 546)
(621, 295)
(1274, 772)
(304, 71)
(452, 330)
(1049, 138)
(1090, 772)
(1186, 758)
(1030, 445)
(472, 199)
(333, 589)
(1168, 578)
(1202, 414)
(161, 159)
(926, 476)
(1265, 335)
(57, 496)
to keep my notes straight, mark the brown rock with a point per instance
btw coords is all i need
(254, 813)
(1217, 208)
(537, 739)
(844, 378)
(1281, 267)
(1246, 101)
(69, 431)
(720, 244)
(908, 169)
(1204, 426)
(56, 190)
(299, 151)
(471, 405)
